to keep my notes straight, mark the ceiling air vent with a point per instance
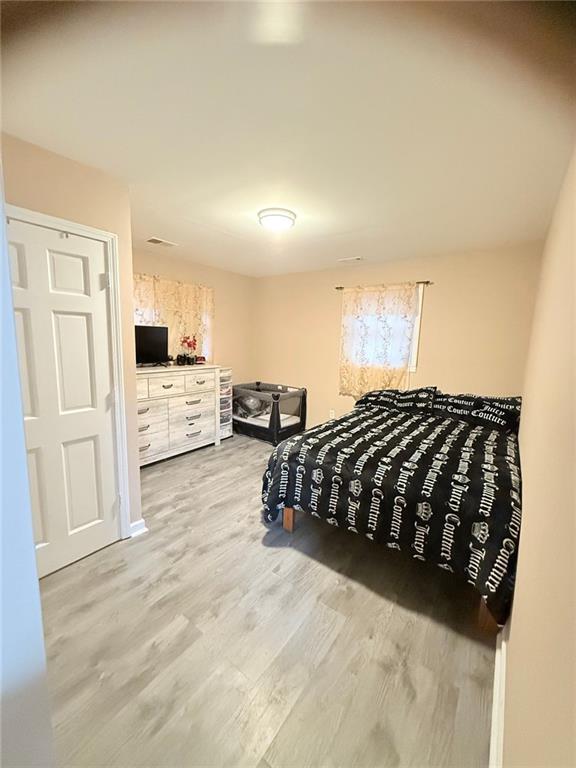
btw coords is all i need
(351, 258)
(159, 241)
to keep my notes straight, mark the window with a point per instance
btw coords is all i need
(380, 334)
(185, 308)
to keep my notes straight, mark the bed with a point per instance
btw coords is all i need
(436, 476)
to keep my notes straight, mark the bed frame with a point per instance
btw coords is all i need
(288, 519)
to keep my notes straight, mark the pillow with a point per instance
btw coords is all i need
(416, 399)
(502, 412)
(510, 404)
(383, 398)
(407, 400)
(455, 405)
(507, 409)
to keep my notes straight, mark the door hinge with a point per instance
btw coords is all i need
(105, 281)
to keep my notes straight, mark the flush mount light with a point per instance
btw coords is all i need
(277, 219)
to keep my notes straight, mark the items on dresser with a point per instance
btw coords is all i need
(225, 403)
(178, 410)
(185, 360)
(188, 356)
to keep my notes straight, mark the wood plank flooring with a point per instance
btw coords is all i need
(212, 641)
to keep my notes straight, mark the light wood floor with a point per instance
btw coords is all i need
(210, 641)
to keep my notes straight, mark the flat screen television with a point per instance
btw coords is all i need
(151, 344)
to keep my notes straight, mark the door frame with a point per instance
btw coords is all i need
(110, 242)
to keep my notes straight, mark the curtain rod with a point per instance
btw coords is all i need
(418, 282)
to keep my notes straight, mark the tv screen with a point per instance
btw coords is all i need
(151, 344)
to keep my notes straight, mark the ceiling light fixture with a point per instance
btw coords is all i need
(277, 219)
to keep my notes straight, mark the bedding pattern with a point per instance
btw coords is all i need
(503, 412)
(435, 486)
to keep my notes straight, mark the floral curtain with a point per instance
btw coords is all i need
(376, 342)
(186, 309)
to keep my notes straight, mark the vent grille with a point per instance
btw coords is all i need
(160, 241)
(351, 258)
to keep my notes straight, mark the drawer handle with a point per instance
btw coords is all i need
(142, 410)
(193, 402)
(194, 434)
(167, 386)
(196, 416)
(200, 381)
(144, 447)
(144, 428)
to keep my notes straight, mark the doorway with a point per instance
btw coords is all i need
(66, 299)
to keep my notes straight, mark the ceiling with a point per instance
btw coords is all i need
(392, 129)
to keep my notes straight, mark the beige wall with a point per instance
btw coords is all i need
(540, 711)
(43, 181)
(475, 324)
(234, 340)
(475, 327)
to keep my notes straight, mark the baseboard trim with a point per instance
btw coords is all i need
(137, 528)
(498, 701)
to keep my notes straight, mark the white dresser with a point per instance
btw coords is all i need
(178, 409)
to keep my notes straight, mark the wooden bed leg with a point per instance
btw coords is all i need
(288, 519)
(486, 621)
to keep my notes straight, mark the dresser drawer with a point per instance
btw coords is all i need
(197, 382)
(185, 420)
(160, 386)
(141, 388)
(149, 445)
(193, 401)
(153, 424)
(192, 436)
(152, 408)
(225, 390)
(152, 417)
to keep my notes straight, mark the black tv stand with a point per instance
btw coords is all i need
(153, 365)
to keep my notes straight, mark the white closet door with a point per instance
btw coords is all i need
(61, 305)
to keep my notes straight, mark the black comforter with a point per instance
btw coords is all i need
(441, 489)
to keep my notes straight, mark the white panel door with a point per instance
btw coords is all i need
(61, 302)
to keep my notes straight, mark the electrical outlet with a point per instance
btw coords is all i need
(331, 413)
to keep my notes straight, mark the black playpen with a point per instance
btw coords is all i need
(270, 412)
